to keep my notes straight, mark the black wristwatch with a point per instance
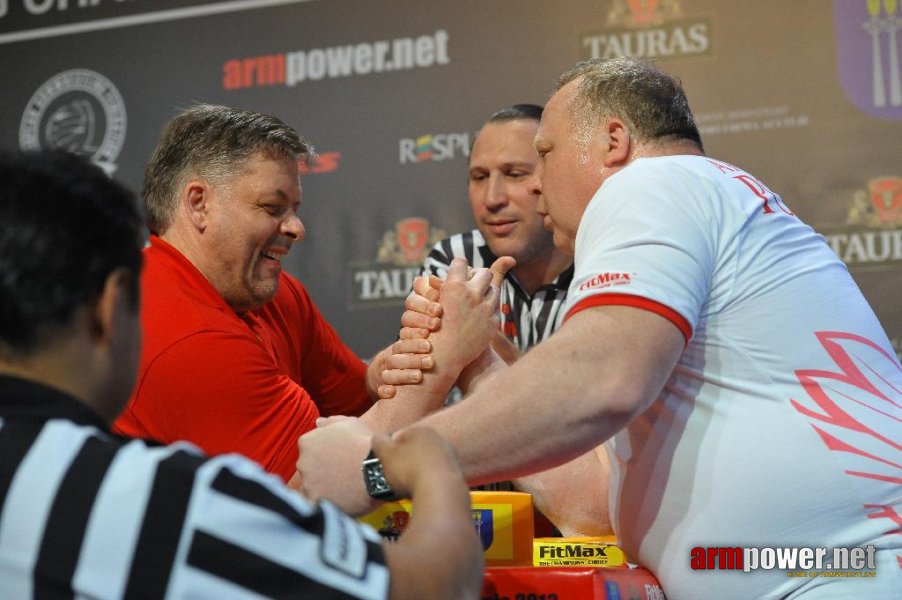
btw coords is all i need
(374, 479)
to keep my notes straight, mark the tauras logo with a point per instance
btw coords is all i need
(80, 111)
(605, 280)
(648, 29)
(439, 146)
(872, 235)
(399, 257)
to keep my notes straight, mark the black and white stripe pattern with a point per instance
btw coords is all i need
(85, 514)
(525, 320)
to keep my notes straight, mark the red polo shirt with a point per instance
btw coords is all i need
(249, 383)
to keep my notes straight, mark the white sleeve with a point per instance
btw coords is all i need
(648, 239)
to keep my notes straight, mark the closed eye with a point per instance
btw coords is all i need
(274, 210)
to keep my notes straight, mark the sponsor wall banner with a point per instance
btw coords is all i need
(392, 105)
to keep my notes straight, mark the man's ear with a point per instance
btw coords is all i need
(113, 300)
(194, 200)
(618, 141)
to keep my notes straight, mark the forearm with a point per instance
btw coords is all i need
(540, 430)
(487, 363)
(574, 496)
(411, 402)
(564, 397)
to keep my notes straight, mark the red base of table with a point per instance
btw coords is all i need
(570, 583)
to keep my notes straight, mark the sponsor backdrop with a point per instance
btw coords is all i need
(806, 95)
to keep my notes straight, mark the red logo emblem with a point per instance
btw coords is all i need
(886, 196)
(412, 236)
(643, 10)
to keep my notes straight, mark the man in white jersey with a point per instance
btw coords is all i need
(86, 514)
(749, 394)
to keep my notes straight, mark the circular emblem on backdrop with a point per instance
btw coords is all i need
(80, 111)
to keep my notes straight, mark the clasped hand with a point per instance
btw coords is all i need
(455, 324)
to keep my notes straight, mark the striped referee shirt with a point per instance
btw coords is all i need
(526, 320)
(86, 514)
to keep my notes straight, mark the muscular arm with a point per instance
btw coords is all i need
(602, 368)
(574, 495)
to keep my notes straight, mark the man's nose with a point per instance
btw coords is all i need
(293, 227)
(496, 193)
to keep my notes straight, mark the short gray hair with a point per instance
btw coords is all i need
(651, 102)
(212, 142)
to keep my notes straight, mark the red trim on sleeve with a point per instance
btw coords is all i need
(637, 302)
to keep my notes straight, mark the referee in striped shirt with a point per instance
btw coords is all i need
(86, 514)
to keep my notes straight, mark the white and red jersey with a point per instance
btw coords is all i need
(781, 425)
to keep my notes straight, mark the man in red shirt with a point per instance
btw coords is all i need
(236, 356)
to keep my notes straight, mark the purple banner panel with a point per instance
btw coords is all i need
(868, 42)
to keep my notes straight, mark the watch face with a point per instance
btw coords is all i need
(375, 478)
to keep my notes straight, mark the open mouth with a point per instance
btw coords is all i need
(275, 254)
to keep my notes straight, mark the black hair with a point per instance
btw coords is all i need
(65, 225)
(516, 112)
